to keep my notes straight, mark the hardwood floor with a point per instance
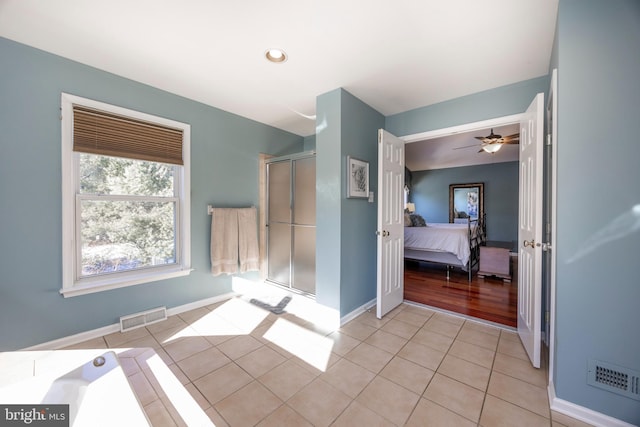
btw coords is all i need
(489, 298)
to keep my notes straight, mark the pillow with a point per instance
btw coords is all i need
(417, 221)
(407, 220)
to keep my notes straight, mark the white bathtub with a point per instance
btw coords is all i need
(91, 382)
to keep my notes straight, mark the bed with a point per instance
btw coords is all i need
(455, 244)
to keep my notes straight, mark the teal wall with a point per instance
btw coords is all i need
(430, 193)
(345, 228)
(597, 293)
(224, 172)
(498, 102)
(360, 124)
(309, 143)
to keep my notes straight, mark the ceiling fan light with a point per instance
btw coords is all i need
(491, 148)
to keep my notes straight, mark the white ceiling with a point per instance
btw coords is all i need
(393, 55)
(461, 149)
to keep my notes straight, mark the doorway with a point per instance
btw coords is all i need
(489, 298)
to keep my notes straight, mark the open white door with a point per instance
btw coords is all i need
(390, 223)
(530, 229)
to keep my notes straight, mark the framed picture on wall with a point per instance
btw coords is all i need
(357, 178)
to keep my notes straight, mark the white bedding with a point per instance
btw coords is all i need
(443, 237)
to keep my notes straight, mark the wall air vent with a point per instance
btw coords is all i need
(613, 378)
(143, 318)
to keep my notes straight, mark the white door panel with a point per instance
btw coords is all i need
(390, 276)
(530, 230)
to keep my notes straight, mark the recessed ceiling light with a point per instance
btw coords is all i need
(276, 55)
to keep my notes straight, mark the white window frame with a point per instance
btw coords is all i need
(72, 284)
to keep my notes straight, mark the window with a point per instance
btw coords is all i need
(125, 197)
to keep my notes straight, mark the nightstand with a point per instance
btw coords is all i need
(495, 262)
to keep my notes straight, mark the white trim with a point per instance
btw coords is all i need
(67, 341)
(357, 312)
(72, 284)
(582, 413)
(468, 127)
(553, 98)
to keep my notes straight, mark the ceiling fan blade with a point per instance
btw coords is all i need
(512, 141)
(514, 136)
(481, 138)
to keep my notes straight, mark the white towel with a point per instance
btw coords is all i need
(248, 240)
(224, 241)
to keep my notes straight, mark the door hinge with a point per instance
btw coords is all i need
(549, 139)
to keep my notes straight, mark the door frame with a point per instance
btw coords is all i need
(552, 132)
(467, 127)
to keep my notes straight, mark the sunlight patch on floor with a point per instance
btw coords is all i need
(307, 345)
(189, 410)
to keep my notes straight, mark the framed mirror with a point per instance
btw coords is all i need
(466, 201)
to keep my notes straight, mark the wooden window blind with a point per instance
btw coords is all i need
(107, 134)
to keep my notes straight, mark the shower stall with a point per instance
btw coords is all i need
(291, 222)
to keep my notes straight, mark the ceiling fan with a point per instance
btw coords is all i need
(493, 142)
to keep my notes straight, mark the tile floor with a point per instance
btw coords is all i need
(245, 366)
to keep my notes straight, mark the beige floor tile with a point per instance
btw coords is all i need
(512, 348)
(222, 382)
(287, 379)
(369, 318)
(471, 336)
(499, 413)
(449, 318)
(442, 327)
(119, 339)
(358, 330)
(422, 311)
(314, 366)
(194, 315)
(216, 329)
(238, 346)
(472, 353)
(343, 343)
(519, 393)
(171, 322)
(348, 377)
(197, 396)
(520, 369)
(319, 402)
(165, 336)
(359, 415)
(422, 355)
(129, 365)
(458, 397)
(202, 363)
(173, 412)
(400, 328)
(284, 416)
(144, 355)
(177, 372)
(158, 414)
(481, 327)
(216, 418)
(185, 347)
(260, 361)
(386, 341)
(412, 317)
(369, 357)
(143, 388)
(432, 339)
(389, 400)
(428, 413)
(566, 420)
(249, 405)
(393, 313)
(509, 335)
(407, 374)
(466, 372)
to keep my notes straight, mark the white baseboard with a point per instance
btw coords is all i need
(581, 413)
(106, 330)
(357, 312)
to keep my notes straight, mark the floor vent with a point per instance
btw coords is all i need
(614, 378)
(143, 318)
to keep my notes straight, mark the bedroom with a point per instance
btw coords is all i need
(434, 165)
